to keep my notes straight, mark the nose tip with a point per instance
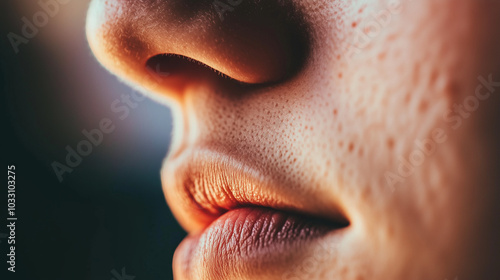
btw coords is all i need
(250, 41)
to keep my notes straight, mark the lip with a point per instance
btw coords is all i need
(237, 216)
(247, 243)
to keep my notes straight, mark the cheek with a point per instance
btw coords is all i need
(408, 82)
(413, 135)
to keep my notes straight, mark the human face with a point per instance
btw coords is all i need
(323, 139)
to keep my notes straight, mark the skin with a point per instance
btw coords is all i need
(329, 126)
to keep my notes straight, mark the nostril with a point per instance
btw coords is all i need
(172, 66)
(257, 43)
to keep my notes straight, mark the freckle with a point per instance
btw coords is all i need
(433, 78)
(340, 75)
(392, 37)
(351, 147)
(382, 55)
(354, 24)
(390, 143)
(390, 231)
(423, 106)
(407, 97)
(451, 88)
(366, 192)
(335, 112)
(338, 56)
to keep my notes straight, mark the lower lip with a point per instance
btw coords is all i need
(245, 238)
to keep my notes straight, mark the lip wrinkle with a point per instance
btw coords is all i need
(249, 238)
(212, 211)
(204, 185)
(245, 231)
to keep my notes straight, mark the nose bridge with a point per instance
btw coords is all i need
(250, 41)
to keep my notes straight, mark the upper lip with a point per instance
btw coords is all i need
(201, 185)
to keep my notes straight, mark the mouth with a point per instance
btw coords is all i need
(236, 218)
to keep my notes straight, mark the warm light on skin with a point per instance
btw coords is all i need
(371, 97)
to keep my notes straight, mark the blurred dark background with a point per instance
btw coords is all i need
(109, 213)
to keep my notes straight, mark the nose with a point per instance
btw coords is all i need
(250, 41)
